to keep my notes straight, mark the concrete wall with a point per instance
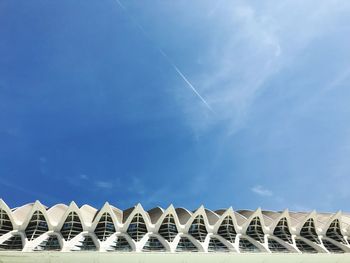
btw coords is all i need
(95, 257)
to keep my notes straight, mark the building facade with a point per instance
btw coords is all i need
(61, 228)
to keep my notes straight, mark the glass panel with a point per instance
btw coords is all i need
(215, 245)
(168, 228)
(308, 231)
(137, 228)
(105, 227)
(334, 232)
(36, 226)
(154, 245)
(5, 223)
(255, 230)
(227, 229)
(276, 247)
(198, 229)
(50, 244)
(71, 227)
(332, 248)
(246, 246)
(13, 243)
(282, 231)
(186, 245)
(121, 244)
(87, 244)
(303, 247)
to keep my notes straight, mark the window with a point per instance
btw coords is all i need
(282, 231)
(87, 244)
(153, 245)
(5, 223)
(105, 227)
(334, 232)
(168, 228)
(308, 231)
(303, 247)
(186, 245)
(246, 246)
(137, 228)
(49, 244)
(13, 243)
(121, 245)
(332, 248)
(72, 226)
(255, 230)
(215, 245)
(36, 226)
(227, 229)
(276, 247)
(198, 229)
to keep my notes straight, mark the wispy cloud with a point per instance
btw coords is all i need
(262, 191)
(104, 184)
(83, 177)
(136, 186)
(252, 44)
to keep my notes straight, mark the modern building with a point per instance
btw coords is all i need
(224, 234)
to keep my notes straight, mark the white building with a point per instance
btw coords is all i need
(36, 228)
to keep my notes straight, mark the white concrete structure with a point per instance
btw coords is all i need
(34, 227)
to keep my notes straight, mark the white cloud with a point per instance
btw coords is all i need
(262, 191)
(104, 184)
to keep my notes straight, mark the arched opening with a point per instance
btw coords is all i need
(153, 245)
(334, 232)
(13, 243)
(227, 229)
(137, 228)
(49, 244)
(215, 245)
(198, 229)
(282, 231)
(86, 244)
(120, 245)
(5, 223)
(304, 247)
(168, 228)
(332, 248)
(185, 245)
(276, 247)
(245, 246)
(36, 226)
(308, 231)
(71, 227)
(255, 230)
(105, 227)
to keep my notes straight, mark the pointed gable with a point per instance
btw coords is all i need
(72, 226)
(255, 230)
(168, 228)
(105, 227)
(36, 226)
(5, 222)
(137, 228)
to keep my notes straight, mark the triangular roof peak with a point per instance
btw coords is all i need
(139, 206)
(73, 205)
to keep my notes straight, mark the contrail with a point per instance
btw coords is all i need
(178, 71)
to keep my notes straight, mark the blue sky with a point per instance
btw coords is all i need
(91, 110)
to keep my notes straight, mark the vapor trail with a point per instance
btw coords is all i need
(161, 51)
